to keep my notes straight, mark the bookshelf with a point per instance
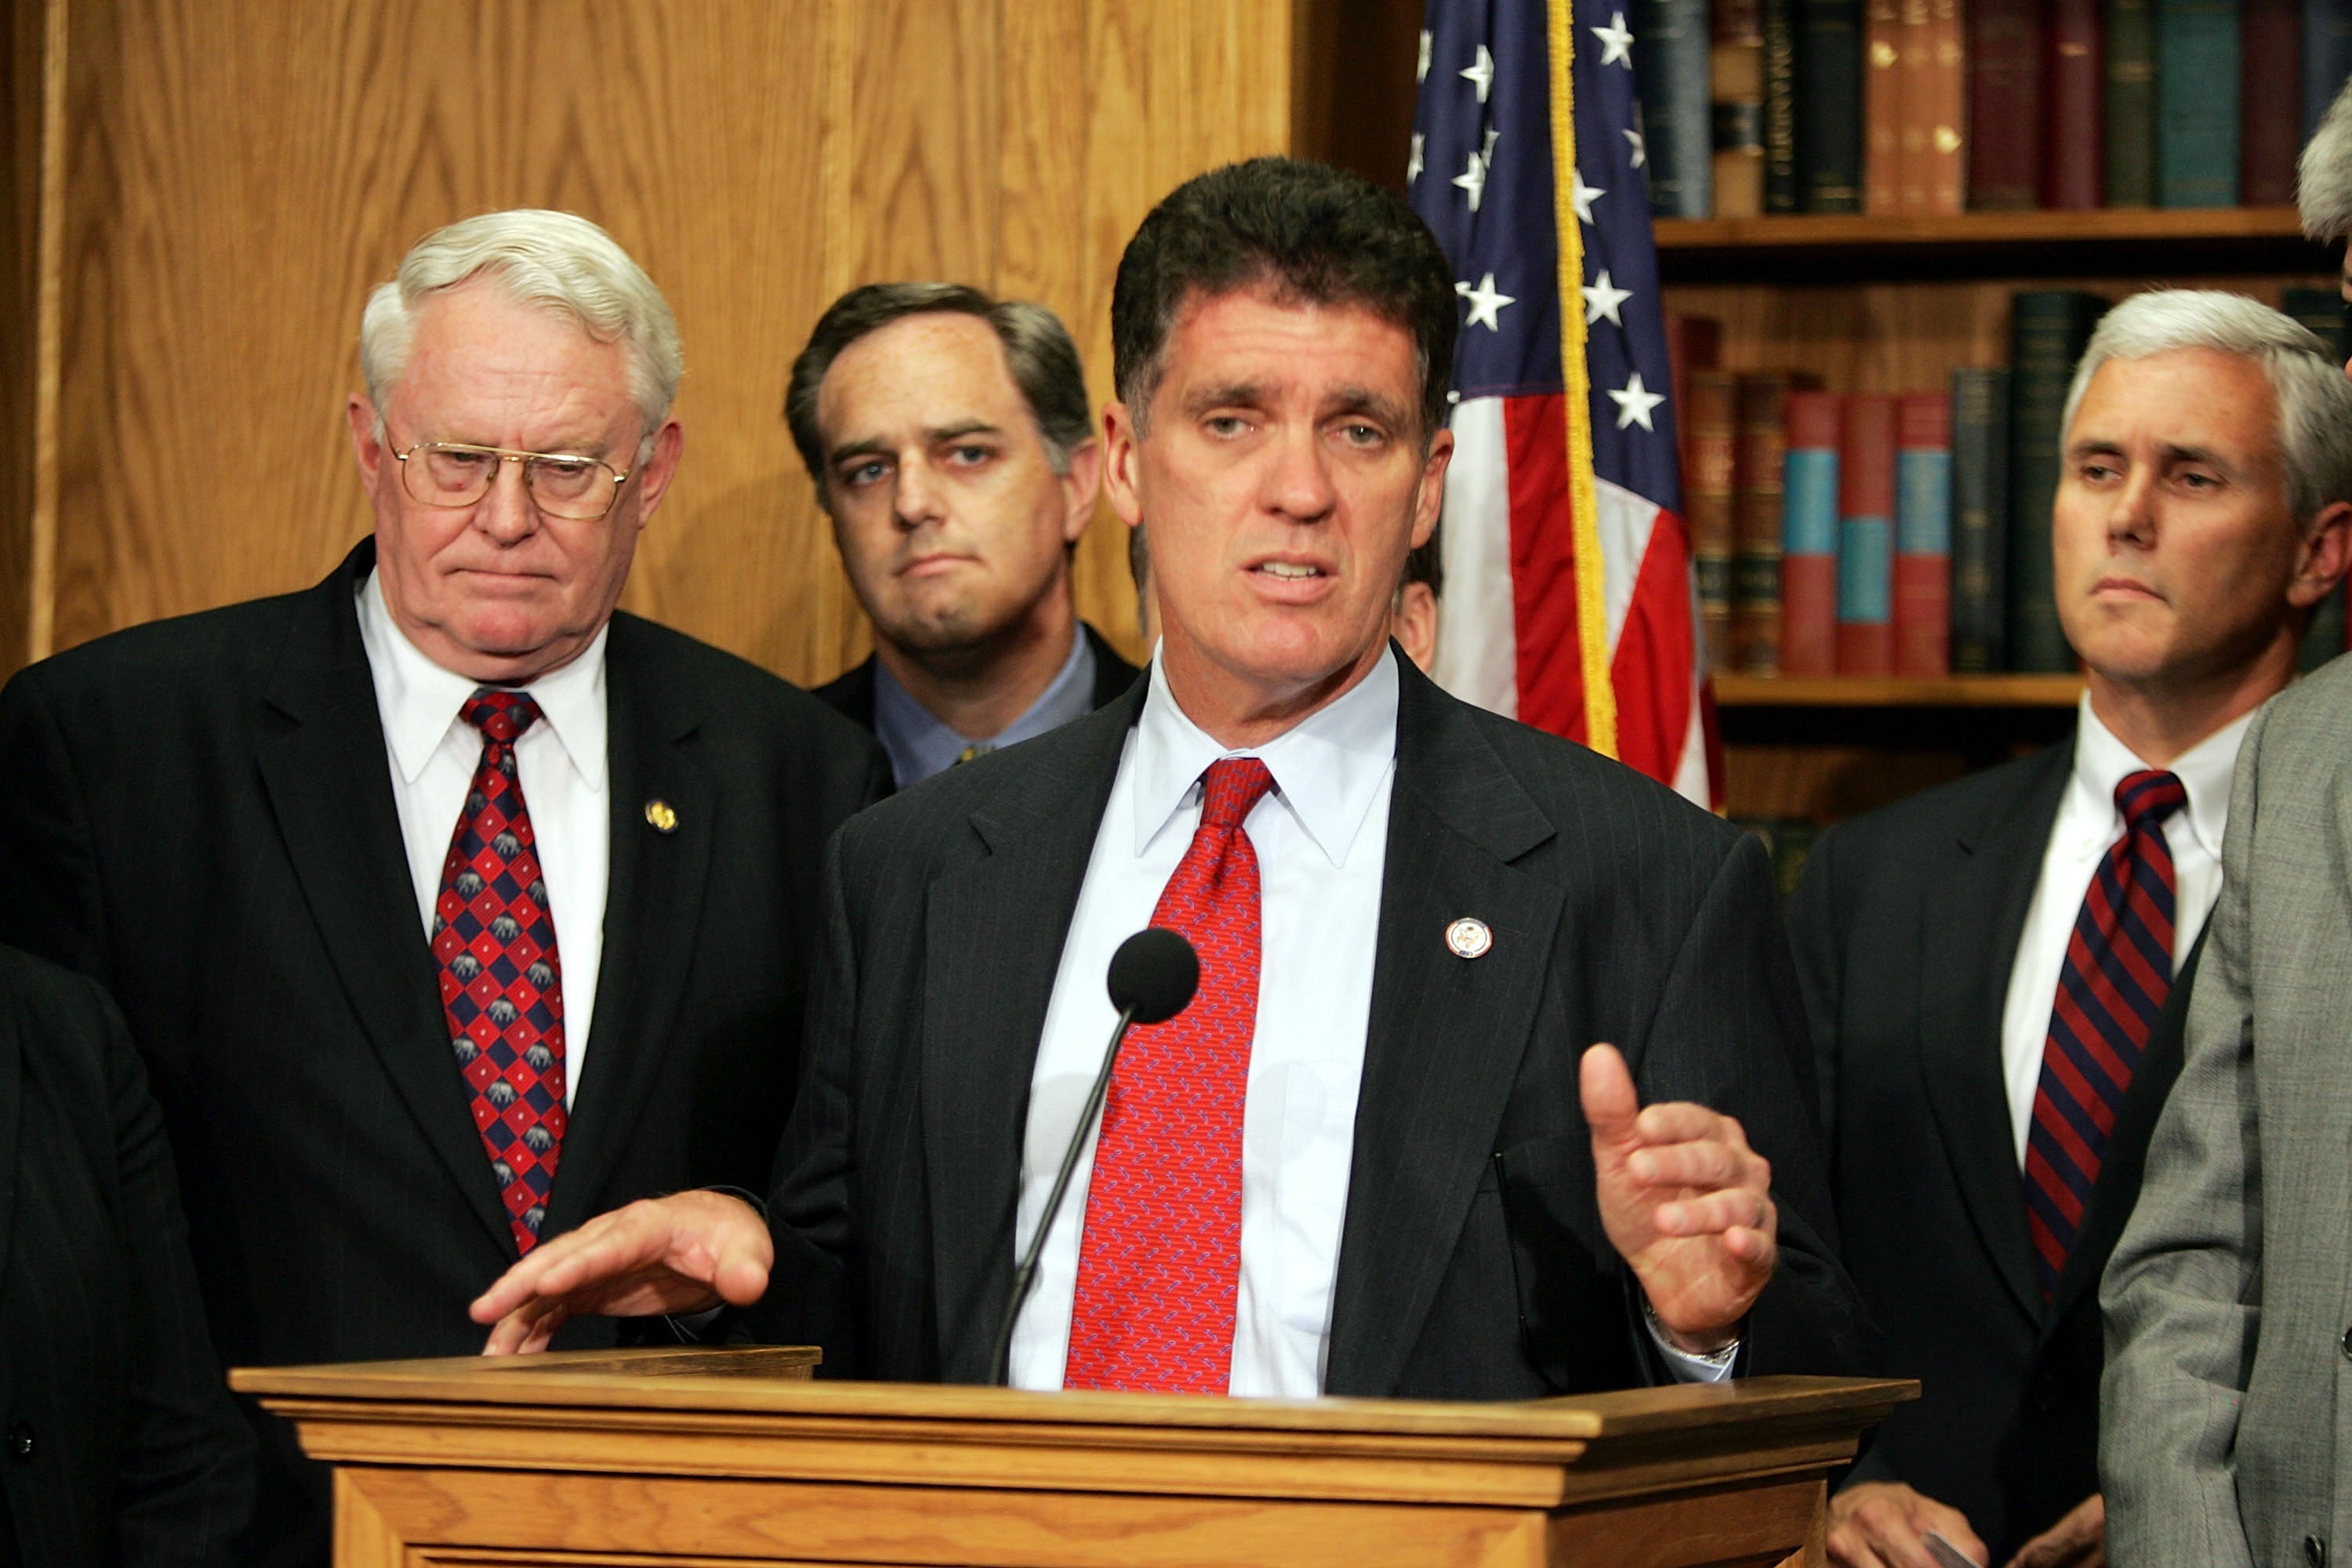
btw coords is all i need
(1891, 304)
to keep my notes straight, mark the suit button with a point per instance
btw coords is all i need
(2314, 1552)
(2347, 1341)
(20, 1442)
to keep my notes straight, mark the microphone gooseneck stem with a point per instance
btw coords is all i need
(1025, 1276)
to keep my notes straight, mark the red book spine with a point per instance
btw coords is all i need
(2270, 56)
(1923, 534)
(2004, 69)
(1865, 632)
(1808, 565)
(2075, 127)
(1693, 343)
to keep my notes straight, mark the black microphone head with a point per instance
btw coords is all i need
(1153, 975)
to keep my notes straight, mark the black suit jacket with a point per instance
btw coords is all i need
(121, 1444)
(199, 812)
(851, 693)
(1473, 1264)
(1905, 927)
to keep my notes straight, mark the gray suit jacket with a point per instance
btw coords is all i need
(2227, 1298)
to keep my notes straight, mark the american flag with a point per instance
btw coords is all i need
(1568, 597)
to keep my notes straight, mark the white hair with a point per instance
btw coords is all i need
(2315, 399)
(535, 258)
(2323, 187)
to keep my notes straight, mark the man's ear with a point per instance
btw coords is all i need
(366, 449)
(1431, 499)
(1080, 486)
(1119, 464)
(2325, 555)
(660, 467)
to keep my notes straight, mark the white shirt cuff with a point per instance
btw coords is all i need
(1686, 1365)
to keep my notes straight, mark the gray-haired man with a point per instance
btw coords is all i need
(2227, 1297)
(448, 905)
(951, 445)
(1997, 970)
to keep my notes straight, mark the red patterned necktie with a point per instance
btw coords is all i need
(1161, 1262)
(2118, 972)
(502, 981)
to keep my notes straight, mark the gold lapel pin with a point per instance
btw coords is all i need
(1469, 937)
(659, 813)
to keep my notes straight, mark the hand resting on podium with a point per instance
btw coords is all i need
(1686, 1203)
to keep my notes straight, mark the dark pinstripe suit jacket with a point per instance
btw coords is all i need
(1473, 1264)
(121, 1445)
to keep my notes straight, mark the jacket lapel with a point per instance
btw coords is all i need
(1969, 926)
(993, 939)
(329, 781)
(1445, 1035)
(653, 910)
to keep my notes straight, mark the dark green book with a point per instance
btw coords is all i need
(2049, 329)
(2131, 104)
(2324, 312)
(2197, 103)
(1780, 191)
(1670, 77)
(1829, 105)
(1979, 520)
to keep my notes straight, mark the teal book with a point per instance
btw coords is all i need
(1979, 520)
(2049, 329)
(2197, 116)
(1670, 76)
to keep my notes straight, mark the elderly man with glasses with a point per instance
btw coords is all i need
(449, 906)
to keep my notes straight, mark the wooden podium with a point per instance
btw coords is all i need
(721, 1458)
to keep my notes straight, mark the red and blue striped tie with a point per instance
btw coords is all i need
(2118, 972)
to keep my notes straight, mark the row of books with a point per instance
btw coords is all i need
(1943, 106)
(1874, 534)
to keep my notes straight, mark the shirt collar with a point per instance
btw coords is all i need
(419, 701)
(1327, 769)
(2102, 762)
(920, 743)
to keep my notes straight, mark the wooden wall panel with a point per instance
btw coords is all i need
(25, 107)
(237, 174)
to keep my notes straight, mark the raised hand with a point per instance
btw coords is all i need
(685, 1253)
(1685, 1202)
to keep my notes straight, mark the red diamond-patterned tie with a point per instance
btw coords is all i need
(1161, 1262)
(2118, 971)
(502, 982)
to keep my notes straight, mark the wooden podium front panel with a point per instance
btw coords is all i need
(695, 1460)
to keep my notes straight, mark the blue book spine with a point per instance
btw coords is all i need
(2326, 57)
(1923, 502)
(1865, 571)
(1672, 80)
(2197, 103)
(1809, 503)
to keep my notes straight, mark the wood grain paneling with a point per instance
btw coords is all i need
(236, 175)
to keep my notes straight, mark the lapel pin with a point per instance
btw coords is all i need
(659, 813)
(1469, 937)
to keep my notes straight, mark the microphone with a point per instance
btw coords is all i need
(1152, 978)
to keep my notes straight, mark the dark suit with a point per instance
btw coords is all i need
(121, 1444)
(1472, 1261)
(200, 814)
(851, 693)
(1905, 927)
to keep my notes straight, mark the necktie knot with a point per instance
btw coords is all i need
(500, 716)
(2146, 798)
(1230, 789)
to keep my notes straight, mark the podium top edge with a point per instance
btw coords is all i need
(769, 1381)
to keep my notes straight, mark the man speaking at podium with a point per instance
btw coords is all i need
(1373, 1156)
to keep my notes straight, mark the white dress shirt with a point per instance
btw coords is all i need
(1321, 840)
(559, 763)
(2088, 825)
